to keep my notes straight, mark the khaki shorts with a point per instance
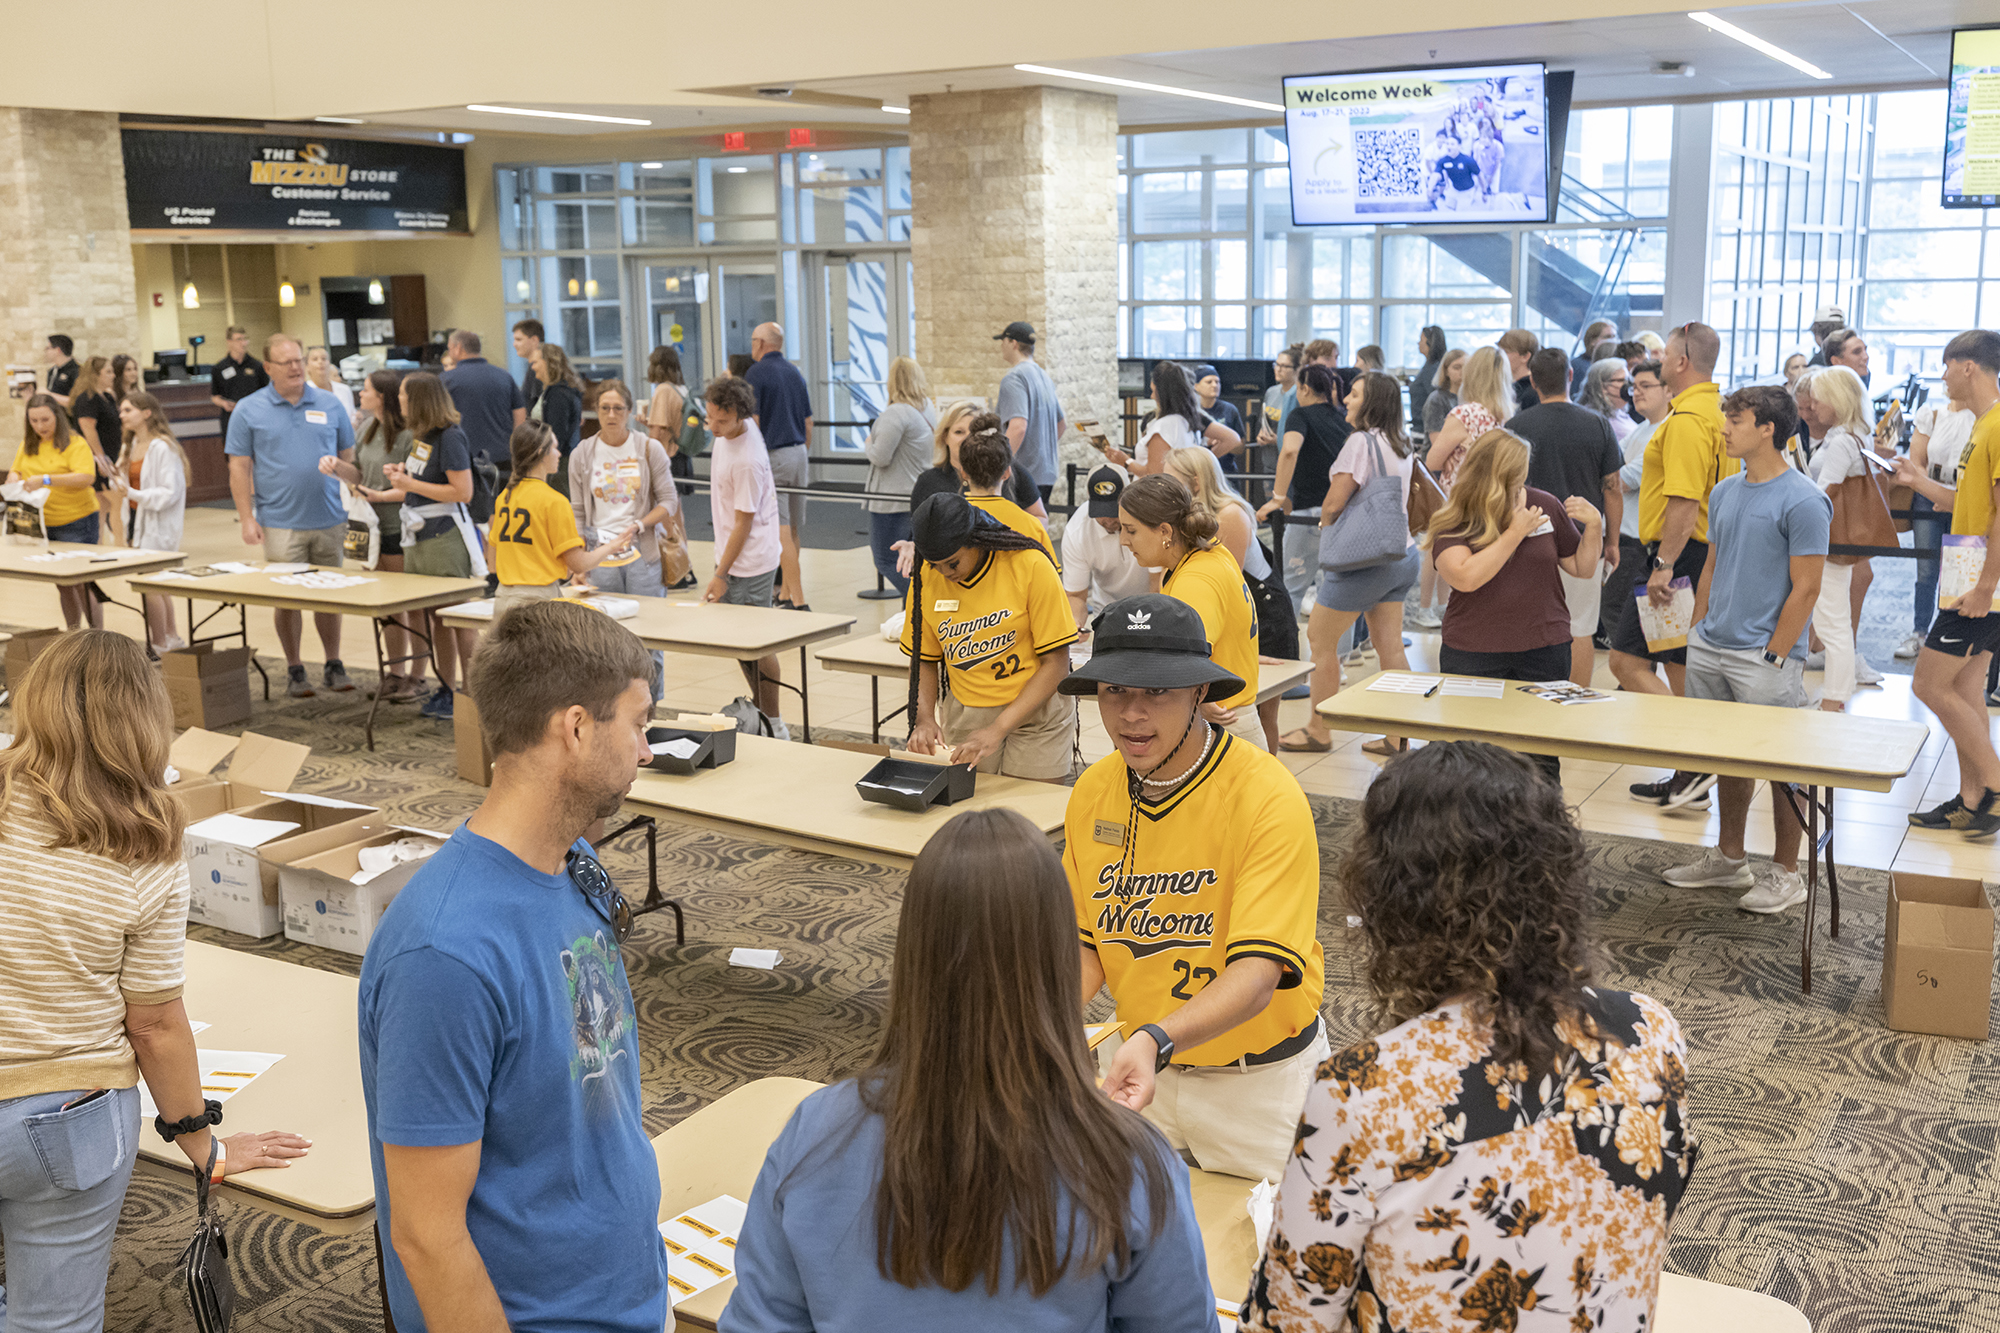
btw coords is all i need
(312, 546)
(513, 594)
(1239, 1120)
(1042, 747)
(1585, 600)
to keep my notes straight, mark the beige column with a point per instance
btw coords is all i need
(1015, 216)
(66, 264)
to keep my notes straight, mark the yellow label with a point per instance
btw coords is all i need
(689, 1220)
(1108, 833)
(683, 1287)
(709, 1264)
(945, 604)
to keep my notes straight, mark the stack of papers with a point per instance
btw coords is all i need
(1403, 682)
(701, 1245)
(1464, 687)
(322, 579)
(286, 567)
(223, 1075)
(680, 748)
(232, 567)
(48, 557)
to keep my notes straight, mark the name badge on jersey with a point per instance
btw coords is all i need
(229, 372)
(315, 417)
(945, 604)
(1109, 833)
(421, 457)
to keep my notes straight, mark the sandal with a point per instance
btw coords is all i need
(1381, 748)
(1302, 742)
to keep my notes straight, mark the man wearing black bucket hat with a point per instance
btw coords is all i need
(1195, 867)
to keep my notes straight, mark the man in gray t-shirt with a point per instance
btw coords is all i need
(1028, 407)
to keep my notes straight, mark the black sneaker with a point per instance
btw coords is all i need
(1653, 793)
(1984, 822)
(1952, 814)
(297, 685)
(1689, 791)
(685, 583)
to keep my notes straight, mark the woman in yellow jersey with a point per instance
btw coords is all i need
(533, 536)
(55, 459)
(986, 458)
(1164, 527)
(988, 628)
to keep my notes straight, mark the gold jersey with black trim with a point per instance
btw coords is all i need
(1005, 511)
(1225, 866)
(988, 630)
(1212, 583)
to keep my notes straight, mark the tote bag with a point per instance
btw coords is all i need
(1860, 516)
(1373, 529)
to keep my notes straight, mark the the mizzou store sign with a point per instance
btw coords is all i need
(182, 181)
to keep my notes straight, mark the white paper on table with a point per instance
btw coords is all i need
(701, 1245)
(1403, 682)
(470, 610)
(233, 567)
(174, 576)
(223, 1075)
(1459, 687)
(241, 830)
(308, 798)
(765, 959)
(679, 747)
(53, 557)
(286, 567)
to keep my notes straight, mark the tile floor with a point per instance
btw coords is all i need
(1872, 827)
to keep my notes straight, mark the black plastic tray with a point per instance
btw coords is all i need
(716, 749)
(909, 785)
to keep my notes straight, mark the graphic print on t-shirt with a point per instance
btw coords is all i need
(603, 1017)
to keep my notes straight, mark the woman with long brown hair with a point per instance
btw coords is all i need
(973, 1177)
(384, 438)
(1515, 1139)
(93, 407)
(93, 926)
(152, 478)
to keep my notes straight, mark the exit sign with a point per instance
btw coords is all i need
(733, 142)
(799, 138)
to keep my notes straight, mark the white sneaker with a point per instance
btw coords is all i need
(1816, 661)
(1713, 871)
(1865, 674)
(1778, 890)
(1910, 646)
(1425, 618)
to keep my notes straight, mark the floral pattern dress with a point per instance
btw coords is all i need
(1477, 421)
(1433, 1187)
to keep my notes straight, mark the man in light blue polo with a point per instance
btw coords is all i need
(284, 500)
(1028, 406)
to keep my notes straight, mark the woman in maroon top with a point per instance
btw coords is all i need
(1498, 543)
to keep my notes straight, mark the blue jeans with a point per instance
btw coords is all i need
(62, 1183)
(884, 531)
(1928, 533)
(641, 578)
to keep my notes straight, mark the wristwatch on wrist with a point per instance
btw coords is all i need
(1161, 1040)
(194, 1124)
(1660, 564)
(1773, 659)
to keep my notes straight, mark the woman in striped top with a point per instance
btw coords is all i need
(93, 923)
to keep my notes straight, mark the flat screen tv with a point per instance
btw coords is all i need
(1972, 120)
(1463, 144)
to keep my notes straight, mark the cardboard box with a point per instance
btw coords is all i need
(1937, 956)
(323, 905)
(23, 648)
(233, 872)
(256, 764)
(475, 761)
(208, 688)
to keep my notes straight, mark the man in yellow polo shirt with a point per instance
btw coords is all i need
(1951, 666)
(1195, 867)
(1684, 460)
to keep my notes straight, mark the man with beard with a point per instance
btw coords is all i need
(515, 1184)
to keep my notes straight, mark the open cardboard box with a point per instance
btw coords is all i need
(1937, 956)
(256, 764)
(322, 903)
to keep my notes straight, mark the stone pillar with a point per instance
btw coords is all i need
(66, 264)
(1015, 216)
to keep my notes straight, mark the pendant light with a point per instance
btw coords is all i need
(190, 298)
(590, 288)
(375, 296)
(521, 289)
(574, 286)
(288, 296)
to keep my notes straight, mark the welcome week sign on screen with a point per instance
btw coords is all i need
(1441, 145)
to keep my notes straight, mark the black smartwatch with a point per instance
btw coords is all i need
(1772, 659)
(194, 1124)
(1662, 564)
(1163, 1041)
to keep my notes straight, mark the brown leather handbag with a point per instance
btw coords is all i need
(1860, 515)
(1426, 497)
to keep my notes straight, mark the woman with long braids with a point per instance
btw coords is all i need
(1515, 1139)
(988, 628)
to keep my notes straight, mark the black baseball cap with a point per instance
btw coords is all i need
(1106, 485)
(1021, 331)
(1198, 373)
(1150, 642)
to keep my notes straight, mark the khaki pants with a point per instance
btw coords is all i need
(1042, 747)
(1236, 1119)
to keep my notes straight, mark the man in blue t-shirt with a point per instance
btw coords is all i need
(515, 1185)
(785, 418)
(286, 502)
(1028, 408)
(1768, 527)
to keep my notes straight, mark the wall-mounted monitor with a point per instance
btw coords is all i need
(1464, 144)
(1972, 120)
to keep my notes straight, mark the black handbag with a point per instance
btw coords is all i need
(204, 1275)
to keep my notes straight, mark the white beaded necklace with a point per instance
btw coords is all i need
(1168, 783)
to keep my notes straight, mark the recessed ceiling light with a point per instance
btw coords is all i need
(1777, 53)
(1147, 87)
(896, 110)
(554, 115)
(738, 171)
(339, 120)
(649, 166)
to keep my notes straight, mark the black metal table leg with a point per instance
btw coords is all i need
(805, 699)
(381, 674)
(654, 901)
(875, 710)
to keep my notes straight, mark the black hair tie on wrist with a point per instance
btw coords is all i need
(194, 1124)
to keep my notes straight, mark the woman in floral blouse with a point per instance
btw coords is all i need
(1507, 1156)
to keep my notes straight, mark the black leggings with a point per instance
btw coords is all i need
(1533, 665)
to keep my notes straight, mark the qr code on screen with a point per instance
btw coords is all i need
(1388, 163)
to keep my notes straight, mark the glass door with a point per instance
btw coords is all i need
(749, 298)
(859, 315)
(676, 301)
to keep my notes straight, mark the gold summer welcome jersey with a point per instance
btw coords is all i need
(1020, 520)
(989, 630)
(1212, 583)
(1225, 867)
(533, 526)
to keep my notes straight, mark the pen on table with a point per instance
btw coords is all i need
(1433, 689)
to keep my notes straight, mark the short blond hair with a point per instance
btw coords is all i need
(907, 383)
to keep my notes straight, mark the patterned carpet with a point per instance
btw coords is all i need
(1845, 1168)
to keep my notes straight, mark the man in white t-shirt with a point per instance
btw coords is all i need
(743, 505)
(1097, 570)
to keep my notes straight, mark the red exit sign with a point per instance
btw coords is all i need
(733, 142)
(799, 138)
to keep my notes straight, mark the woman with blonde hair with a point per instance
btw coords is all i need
(1498, 543)
(954, 424)
(92, 935)
(1834, 404)
(152, 477)
(93, 408)
(1485, 402)
(898, 450)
